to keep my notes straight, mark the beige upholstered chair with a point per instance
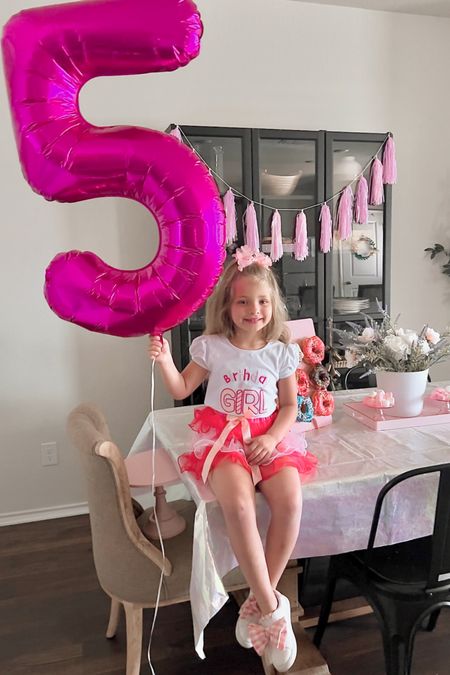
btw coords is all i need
(129, 566)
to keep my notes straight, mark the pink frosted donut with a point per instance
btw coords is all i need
(303, 382)
(323, 403)
(313, 350)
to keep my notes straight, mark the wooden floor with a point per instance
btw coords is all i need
(53, 618)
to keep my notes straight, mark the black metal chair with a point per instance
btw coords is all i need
(406, 584)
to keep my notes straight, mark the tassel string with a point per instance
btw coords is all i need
(326, 228)
(301, 249)
(230, 217)
(276, 249)
(251, 233)
(345, 214)
(389, 162)
(361, 202)
(376, 187)
(275, 208)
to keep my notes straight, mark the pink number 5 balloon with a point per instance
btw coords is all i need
(49, 54)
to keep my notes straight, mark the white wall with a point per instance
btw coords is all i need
(278, 64)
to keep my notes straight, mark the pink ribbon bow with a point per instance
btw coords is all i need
(275, 635)
(232, 421)
(246, 256)
(380, 399)
(440, 394)
(249, 608)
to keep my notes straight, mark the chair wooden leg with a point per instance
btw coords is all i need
(114, 616)
(133, 616)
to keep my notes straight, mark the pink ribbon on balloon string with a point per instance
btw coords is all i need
(274, 635)
(389, 162)
(361, 209)
(232, 422)
(326, 228)
(251, 228)
(376, 190)
(344, 214)
(276, 247)
(301, 251)
(230, 216)
(49, 54)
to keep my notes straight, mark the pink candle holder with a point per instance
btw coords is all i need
(380, 399)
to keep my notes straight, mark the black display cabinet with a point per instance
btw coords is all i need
(295, 170)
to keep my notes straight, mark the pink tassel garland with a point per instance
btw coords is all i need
(230, 217)
(361, 208)
(389, 162)
(276, 248)
(176, 133)
(301, 237)
(344, 213)
(251, 228)
(326, 228)
(376, 183)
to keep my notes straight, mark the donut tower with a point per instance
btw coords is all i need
(313, 399)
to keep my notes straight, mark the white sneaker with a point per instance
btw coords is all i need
(274, 636)
(248, 613)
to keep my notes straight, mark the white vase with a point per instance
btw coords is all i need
(408, 390)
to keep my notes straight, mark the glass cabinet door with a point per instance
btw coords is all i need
(288, 174)
(224, 156)
(227, 151)
(358, 266)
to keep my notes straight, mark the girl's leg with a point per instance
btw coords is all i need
(284, 496)
(234, 490)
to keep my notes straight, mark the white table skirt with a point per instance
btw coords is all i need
(354, 462)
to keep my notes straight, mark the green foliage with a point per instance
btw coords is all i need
(437, 249)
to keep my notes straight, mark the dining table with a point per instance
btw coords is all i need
(354, 462)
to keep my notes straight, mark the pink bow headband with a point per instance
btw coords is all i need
(246, 256)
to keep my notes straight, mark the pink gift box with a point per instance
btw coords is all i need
(433, 412)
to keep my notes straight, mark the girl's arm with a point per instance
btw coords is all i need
(260, 448)
(287, 413)
(179, 385)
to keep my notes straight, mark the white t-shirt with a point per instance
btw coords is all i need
(243, 379)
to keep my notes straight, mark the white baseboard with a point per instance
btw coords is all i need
(33, 515)
(141, 494)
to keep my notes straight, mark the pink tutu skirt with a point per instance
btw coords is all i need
(208, 425)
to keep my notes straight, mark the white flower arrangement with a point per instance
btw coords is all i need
(384, 346)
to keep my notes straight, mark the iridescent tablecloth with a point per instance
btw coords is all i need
(354, 462)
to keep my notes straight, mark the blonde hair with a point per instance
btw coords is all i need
(218, 315)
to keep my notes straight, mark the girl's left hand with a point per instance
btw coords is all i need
(260, 449)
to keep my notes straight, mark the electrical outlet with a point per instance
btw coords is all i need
(49, 454)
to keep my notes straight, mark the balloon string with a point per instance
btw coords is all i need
(276, 208)
(158, 596)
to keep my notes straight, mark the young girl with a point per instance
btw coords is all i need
(244, 437)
